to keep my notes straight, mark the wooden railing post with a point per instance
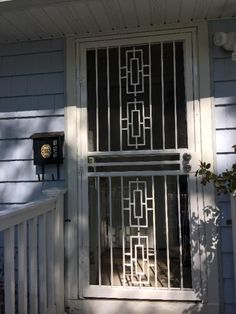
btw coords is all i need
(59, 247)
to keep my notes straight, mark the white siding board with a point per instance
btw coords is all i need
(228, 285)
(225, 213)
(11, 107)
(31, 47)
(225, 117)
(228, 265)
(24, 128)
(31, 101)
(224, 69)
(225, 89)
(31, 113)
(226, 239)
(23, 192)
(26, 171)
(15, 149)
(225, 161)
(229, 308)
(38, 84)
(30, 64)
(225, 139)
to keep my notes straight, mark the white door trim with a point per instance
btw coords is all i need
(205, 103)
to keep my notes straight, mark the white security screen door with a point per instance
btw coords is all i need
(138, 160)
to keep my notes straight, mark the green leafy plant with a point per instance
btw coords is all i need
(224, 182)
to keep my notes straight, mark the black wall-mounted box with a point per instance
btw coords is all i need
(48, 148)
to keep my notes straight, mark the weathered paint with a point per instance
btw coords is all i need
(223, 72)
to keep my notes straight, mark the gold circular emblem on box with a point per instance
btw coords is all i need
(46, 151)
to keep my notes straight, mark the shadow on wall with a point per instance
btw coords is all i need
(18, 175)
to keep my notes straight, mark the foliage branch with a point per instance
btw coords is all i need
(224, 182)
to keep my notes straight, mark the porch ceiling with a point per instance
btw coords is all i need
(22, 20)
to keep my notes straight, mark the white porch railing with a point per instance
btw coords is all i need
(33, 257)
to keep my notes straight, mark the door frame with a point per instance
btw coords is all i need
(75, 112)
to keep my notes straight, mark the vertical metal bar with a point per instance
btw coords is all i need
(120, 96)
(175, 101)
(150, 95)
(167, 234)
(99, 234)
(97, 121)
(163, 95)
(154, 230)
(111, 244)
(123, 227)
(108, 102)
(180, 235)
(9, 271)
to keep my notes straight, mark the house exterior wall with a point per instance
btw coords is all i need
(31, 100)
(223, 73)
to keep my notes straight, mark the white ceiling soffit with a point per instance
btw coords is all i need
(22, 20)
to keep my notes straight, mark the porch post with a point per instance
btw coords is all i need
(59, 248)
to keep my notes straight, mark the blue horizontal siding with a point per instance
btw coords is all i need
(223, 73)
(31, 101)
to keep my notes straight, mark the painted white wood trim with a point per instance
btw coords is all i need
(59, 254)
(71, 145)
(84, 235)
(208, 259)
(140, 294)
(9, 271)
(42, 264)
(12, 217)
(50, 259)
(33, 266)
(141, 32)
(82, 164)
(135, 39)
(22, 268)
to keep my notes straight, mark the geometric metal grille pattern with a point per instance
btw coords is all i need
(138, 256)
(136, 98)
(135, 121)
(134, 71)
